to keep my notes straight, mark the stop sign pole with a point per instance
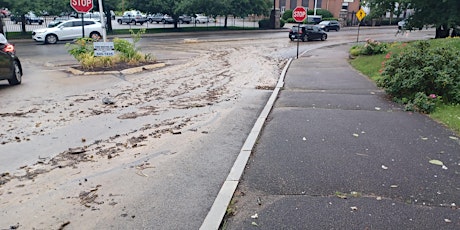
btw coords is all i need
(299, 14)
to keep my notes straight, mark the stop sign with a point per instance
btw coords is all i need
(81, 6)
(299, 14)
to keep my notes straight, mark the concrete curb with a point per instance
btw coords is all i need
(219, 207)
(122, 72)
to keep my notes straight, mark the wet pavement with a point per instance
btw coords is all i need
(336, 153)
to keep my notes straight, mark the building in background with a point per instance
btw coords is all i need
(341, 9)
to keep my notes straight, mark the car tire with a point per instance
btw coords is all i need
(151, 21)
(119, 21)
(40, 23)
(95, 35)
(17, 78)
(323, 37)
(141, 23)
(338, 28)
(326, 29)
(51, 39)
(303, 38)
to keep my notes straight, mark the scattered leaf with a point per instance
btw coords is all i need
(424, 138)
(394, 186)
(436, 162)
(254, 224)
(304, 138)
(355, 135)
(377, 108)
(354, 208)
(444, 167)
(379, 198)
(384, 167)
(453, 138)
(255, 216)
(447, 221)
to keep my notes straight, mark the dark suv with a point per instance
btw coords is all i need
(329, 25)
(307, 33)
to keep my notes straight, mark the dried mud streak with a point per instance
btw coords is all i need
(216, 76)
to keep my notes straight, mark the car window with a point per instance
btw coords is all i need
(76, 23)
(67, 24)
(89, 23)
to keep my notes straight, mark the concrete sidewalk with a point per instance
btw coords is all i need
(335, 153)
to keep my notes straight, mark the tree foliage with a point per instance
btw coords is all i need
(444, 15)
(174, 8)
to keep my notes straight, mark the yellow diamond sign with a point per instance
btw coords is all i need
(360, 14)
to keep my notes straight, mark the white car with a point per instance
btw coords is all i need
(202, 19)
(68, 30)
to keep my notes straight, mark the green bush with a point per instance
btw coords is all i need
(324, 13)
(419, 74)
(83, 51)
(287, 15)
(264, 24)
(371, 47)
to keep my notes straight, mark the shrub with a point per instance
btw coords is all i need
(287, 15)
(419, 72)
(83, 51)
(373, 47)
(264, 24)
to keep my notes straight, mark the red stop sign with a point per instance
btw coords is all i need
(299, 14)
(81, 6)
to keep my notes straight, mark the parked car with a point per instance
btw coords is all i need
(185, 19)
(329, 25)
(307, 33)
(10, 66)
(133, 16)
(30, 18)
(200, 18)
(155, 17)
(68, 30)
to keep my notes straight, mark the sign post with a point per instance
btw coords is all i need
(360, 15)
(299, 14)
(82, 6)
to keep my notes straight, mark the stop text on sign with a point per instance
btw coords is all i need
(82, 2)
(299, 14)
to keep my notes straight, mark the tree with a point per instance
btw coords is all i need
(444, 15)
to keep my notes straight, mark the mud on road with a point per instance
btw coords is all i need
(148, 150)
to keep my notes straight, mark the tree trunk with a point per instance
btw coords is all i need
(225, 21)
(23, 23)
(442, 32)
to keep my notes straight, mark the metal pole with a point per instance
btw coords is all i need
(101, 13)
(316, 4)
(298, 32)
(82, 26)
(359, 26)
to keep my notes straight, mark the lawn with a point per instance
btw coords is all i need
(371, 66)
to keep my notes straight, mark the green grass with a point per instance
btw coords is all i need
(371, 65)
(448, 115)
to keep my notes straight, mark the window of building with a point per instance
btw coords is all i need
(293, 4)
(305, 3)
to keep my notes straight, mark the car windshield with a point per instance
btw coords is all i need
(324, 23)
